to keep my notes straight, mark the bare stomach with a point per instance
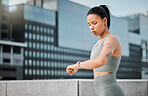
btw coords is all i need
(101, 73)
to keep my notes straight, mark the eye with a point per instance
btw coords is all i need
(89, 25)
(95, 23)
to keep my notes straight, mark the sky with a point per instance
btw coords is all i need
(118, 7)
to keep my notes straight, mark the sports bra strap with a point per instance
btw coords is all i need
(106, 37)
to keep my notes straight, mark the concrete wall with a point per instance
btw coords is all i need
(66, 87)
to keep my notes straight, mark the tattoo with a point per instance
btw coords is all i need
(108, 45)
(108, 56)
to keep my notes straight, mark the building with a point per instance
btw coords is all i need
(11, 52)
(138, 31)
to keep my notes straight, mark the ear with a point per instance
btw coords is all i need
(105, 20)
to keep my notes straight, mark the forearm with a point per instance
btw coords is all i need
(91, 64)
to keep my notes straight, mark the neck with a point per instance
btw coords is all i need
(104, 34)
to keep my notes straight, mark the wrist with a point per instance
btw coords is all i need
(78, 65)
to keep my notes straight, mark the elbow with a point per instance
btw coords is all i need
(100, 62)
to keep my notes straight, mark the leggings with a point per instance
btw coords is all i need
(106, 85)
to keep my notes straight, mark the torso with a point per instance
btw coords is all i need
(117, 53)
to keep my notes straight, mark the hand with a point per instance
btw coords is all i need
(72, 69)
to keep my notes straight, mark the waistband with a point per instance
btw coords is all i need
(105, 79)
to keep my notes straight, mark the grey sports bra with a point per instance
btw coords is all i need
(111, 65)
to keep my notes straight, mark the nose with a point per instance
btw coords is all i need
(91, 27)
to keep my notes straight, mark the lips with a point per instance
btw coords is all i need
(94, 32)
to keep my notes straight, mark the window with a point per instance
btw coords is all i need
(37, 29)
(26, 72)
(38, 54)
(30, 44)
(34, 28)
(34, 72)
(52, 31)
(41, 29)
(45, 72)
(26, 26)
(41, 54)
(41, 63)
(30, 53)
(34, 36)
(48, 31)
(45, 38)
(144, 47)
(52, 39)
(38, 37)
(4, 35)
(45, 30)
(38, 63)
(4, 18)
(30, 62)
(38, 45)
(41, 37)
(45, 63)
(34, 54)
(30, 36)
(38, 72)
(26, 63)
(133, 24)
(41, 45)
(34, 45)
(4, 26)
(17, 49)
(26, 35)
(6, 61)
(30, 72)
(45, 47)
(41, 72)
(45, 55)
(6, 48)
(30, 26)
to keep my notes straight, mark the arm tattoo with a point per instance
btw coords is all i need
(108, 56)
(108, 45)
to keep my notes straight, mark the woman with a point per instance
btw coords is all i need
(105, 55)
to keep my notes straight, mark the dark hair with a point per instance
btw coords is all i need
(101, 11)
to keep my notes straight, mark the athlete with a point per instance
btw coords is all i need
(105, 55)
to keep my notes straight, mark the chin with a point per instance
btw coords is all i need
(96, 35)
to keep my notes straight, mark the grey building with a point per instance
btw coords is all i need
(11, 52)
(138, 31)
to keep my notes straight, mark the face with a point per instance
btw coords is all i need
(96, 24)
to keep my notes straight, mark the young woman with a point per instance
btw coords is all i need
(105, 55)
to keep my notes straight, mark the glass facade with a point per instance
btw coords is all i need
(73, 30)
(44, 60)
(37, 14)
(133, 24)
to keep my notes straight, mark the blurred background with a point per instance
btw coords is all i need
(40, 38)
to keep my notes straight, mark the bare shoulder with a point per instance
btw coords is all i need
(112, 38)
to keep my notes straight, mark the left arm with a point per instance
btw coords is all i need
(108, 48)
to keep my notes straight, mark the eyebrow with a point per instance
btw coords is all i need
(92, 22)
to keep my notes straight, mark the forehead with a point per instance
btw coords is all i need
(93, 17)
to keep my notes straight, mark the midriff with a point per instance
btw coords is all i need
(101, 73)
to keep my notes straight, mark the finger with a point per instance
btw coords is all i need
(69, 68)
(69, 71)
